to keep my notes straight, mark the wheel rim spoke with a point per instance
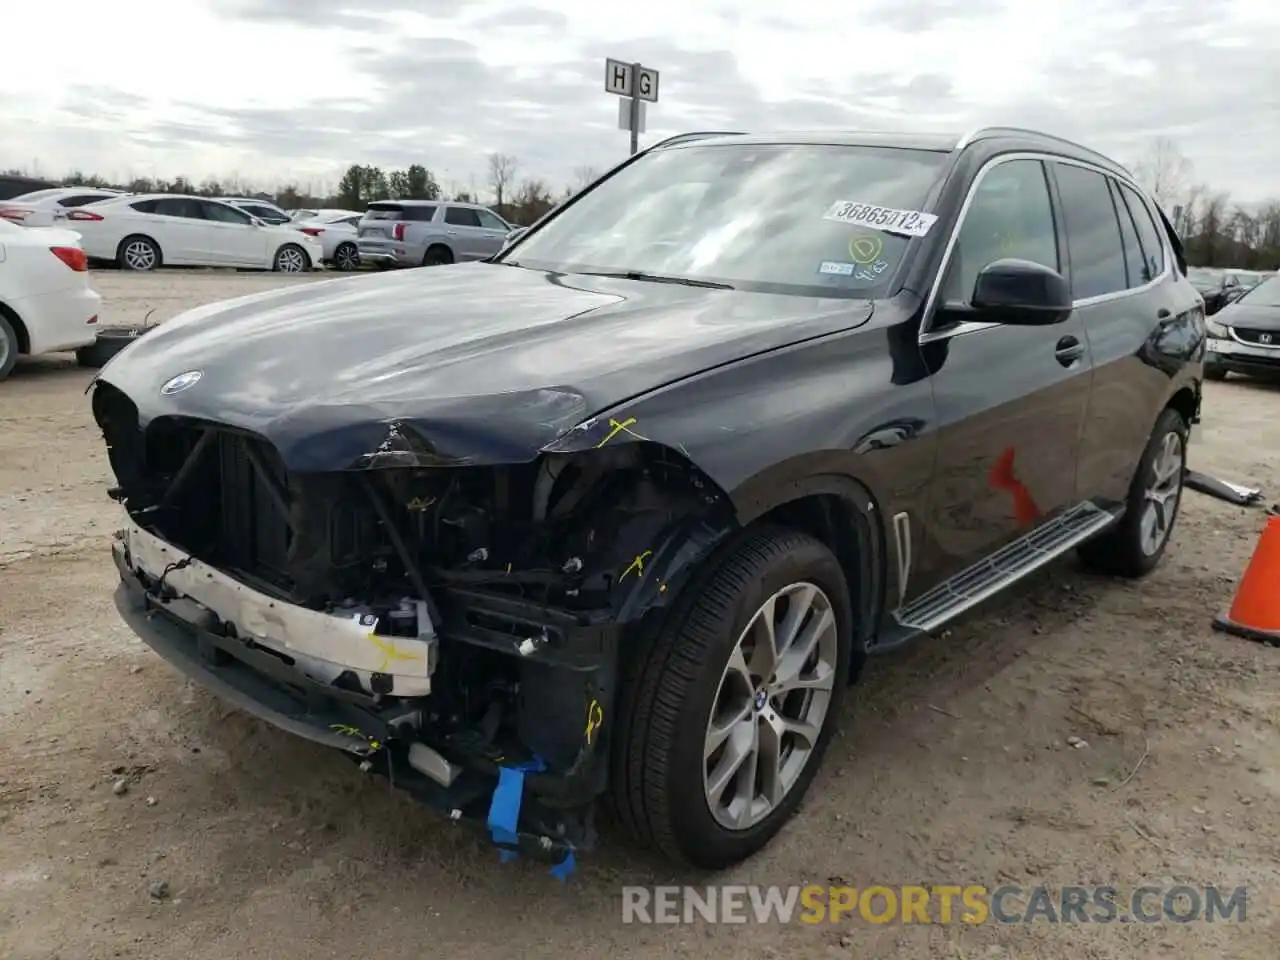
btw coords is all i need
(1162, 495)
(771, 705)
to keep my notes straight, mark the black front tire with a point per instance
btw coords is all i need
(437, 256)
(657, 764)
(1214, 371)
(1119, 551)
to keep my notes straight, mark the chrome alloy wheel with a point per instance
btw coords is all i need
(139, 255)
(770, 707)
(1160, 499)
(291, 260)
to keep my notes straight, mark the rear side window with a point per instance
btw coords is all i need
(1148, 231)
(461, 217)
(423, 214)
(1135, 265)
(80, 199)
(145, 206)
(1093, 232)
(180, 207)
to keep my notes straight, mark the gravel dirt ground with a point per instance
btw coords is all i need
(954, 763)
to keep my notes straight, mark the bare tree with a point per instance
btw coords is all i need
(1164, 171)
(502, 172)
(584, 176)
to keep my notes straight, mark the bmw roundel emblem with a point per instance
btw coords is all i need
(183, 381)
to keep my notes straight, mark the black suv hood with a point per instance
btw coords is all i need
(473, 363)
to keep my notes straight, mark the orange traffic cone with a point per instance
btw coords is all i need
(1255, 612)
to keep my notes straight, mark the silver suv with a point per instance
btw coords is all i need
(426, 233)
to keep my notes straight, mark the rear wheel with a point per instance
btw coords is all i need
(9, 347)
(1134, 546)
(437, 255)
(723, 723)
(138, 253)
(346, 258)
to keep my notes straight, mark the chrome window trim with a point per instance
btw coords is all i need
(928, 335)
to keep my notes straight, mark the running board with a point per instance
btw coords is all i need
(992, 574)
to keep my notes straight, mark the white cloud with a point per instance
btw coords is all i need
(299, 89)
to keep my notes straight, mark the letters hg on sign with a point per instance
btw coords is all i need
(911, 223)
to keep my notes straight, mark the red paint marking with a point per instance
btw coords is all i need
(1003, 478)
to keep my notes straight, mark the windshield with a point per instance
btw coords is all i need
(779, 218)
(1265, 294)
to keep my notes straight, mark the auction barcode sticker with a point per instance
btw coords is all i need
(913, 223)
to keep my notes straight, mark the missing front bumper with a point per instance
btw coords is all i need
(323, 645)
(383, 732)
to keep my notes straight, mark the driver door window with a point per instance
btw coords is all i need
(1010, 216)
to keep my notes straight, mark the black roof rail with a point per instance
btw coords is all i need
(697, 135)
(1027, 131)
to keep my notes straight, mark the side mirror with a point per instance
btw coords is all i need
(515, 234)
(1021, 293)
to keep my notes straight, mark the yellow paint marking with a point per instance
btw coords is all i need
(616, 428)
(389, 651)
(866, 249)
(595, 717)
(637, 566)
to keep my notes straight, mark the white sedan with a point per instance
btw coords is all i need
(41, 207)
(337, 233)
(146, 231)
(46, 303)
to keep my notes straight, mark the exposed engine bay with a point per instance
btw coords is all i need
(438, 623)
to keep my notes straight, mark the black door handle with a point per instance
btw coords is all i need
(1163, 314)
(1068, 351)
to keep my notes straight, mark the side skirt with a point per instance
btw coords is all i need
(992, 574)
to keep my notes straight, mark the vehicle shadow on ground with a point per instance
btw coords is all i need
(53, 367)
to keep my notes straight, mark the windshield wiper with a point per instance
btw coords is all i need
(657, 278)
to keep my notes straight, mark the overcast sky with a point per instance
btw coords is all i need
(277, 90)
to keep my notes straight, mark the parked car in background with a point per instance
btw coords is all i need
(1245, 334)
(264, 210)
(425, 233)
(12, 186)
(43, 207)
(146, 231)
(1246, 280)
(298, 213)
(46, 303)
(629, 507)
(337, 232)
(1217, 287)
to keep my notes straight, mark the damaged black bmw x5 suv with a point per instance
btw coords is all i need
(620, 513)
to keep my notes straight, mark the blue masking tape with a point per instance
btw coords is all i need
(565, 867)
(504, 808)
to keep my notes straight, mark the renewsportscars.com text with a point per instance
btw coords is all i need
(969, 904)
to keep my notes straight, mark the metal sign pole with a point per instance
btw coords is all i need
(635, 108)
